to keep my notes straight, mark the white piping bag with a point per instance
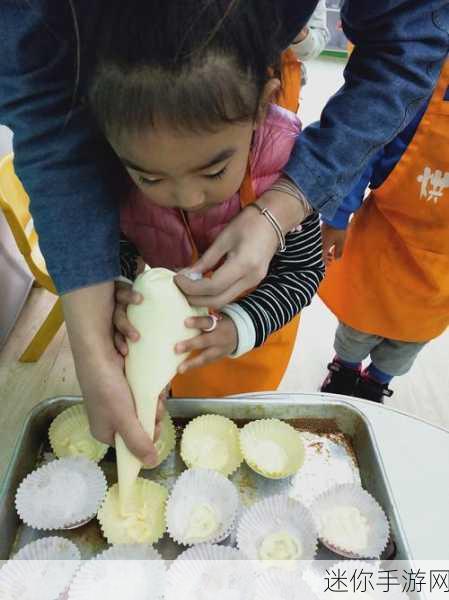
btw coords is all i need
(151, 362)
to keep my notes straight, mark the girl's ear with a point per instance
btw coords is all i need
(269, 94)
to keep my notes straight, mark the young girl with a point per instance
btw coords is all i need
(390, 288)
(194, 125)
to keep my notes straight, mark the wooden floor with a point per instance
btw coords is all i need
(22, 386)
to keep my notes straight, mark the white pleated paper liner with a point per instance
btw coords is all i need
(351, 522)
(70, 435)
(279, 532)
(130, 571)
(282, 585)
(327, 463)
(202, 507)
(272, 448)
(209, 571)
(212, 442)
(145, 520)
(42, 570)
(63, 494)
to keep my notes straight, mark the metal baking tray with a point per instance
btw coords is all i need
(331, 419)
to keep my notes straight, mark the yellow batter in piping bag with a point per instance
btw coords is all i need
(151, 362)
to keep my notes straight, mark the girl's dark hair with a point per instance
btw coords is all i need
(194, 64)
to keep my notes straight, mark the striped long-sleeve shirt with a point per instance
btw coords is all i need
(292, 281)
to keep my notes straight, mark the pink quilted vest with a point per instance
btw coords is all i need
(167, 237)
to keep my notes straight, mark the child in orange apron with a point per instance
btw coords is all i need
(202, 139)
(390, 288)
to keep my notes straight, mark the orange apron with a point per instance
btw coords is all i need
(393, 277)
(291, 81)
(261, 369)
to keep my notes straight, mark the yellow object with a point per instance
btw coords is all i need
(272, 448)
(212, 442)
(14, 202)
(144, 519)
(70, 436)
(166, 442)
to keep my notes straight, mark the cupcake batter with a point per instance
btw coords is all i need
(81, 443)
(143, 521)
(346, 527)
(280, 546)
(203, 523)
(208, 452)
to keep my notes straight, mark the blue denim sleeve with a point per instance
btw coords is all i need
(353, 201)
(399, 49)
(58, 156)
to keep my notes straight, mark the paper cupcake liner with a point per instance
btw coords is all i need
(134, 572)
(270, 517)
(43, 569)
(166, 442)
(375, 529)
(70, 435)
(212, 442)
(64, 494)
(209, 571)
(215, 500)
(143, 525)
(282, 585)
(272, 448)
(326, 464)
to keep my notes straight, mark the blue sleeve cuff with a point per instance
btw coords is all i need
(339, 221)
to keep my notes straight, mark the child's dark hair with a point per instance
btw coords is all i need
(193, 64)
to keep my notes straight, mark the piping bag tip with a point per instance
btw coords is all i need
(128, 468)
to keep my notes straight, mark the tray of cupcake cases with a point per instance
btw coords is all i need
(262, 480)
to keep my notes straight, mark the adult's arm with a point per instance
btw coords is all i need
(59, 157)
(62, 163)
(399, 49)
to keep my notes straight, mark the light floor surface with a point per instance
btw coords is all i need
(423, 392)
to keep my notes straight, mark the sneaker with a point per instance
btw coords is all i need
(369, 389)
(341, 379)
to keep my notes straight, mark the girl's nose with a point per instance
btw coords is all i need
(189, 199)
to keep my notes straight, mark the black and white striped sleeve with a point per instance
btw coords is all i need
(128, 258)
(292, 281)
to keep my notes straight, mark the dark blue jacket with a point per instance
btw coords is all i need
(66, 167)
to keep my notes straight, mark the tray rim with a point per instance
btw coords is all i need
(251, 399)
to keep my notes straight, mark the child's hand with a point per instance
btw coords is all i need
(333, 243)
(215, 344)
(123, 330)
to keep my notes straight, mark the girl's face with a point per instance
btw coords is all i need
(190, 171)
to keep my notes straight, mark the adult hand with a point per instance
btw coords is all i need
(333, 243)
(249, 243)
(100, 369)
